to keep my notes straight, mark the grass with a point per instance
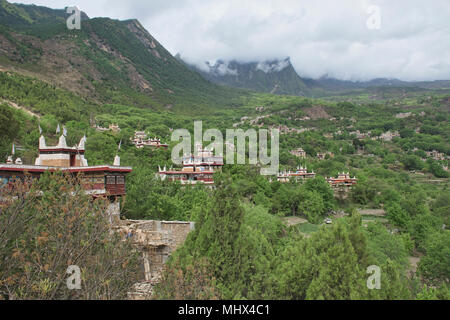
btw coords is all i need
(370, 217)
(308, 228)
(374, 219)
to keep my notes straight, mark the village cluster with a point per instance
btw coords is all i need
(107, 180)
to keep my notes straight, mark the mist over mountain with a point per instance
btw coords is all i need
(279, 77)
(275, 76)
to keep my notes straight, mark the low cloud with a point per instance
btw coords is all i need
(220, 67)
(268, 67)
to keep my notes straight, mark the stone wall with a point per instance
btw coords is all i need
(156, 240)
(177, 230)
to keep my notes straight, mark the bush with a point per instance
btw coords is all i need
(412, 162)
(435, 265)
(52, 224)
(397, 215)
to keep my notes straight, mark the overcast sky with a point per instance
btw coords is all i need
(322, 37)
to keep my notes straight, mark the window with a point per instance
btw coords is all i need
(110, 180)
(97, 180)
(120, 180)
(86, 180)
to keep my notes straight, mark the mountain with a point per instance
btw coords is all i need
(119, 62)
(280, 77)
(332, 85)
(107, 61)
(28, 16)
(275, 76)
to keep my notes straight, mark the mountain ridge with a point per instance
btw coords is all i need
(109, 61)
(238, 74)
(113, 61)
(272, 76)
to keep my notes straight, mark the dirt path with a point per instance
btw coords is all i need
(413, 262)
(16, 106)
(372, 212)
(292, 221)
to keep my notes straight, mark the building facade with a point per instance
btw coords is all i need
(99, 181)
(141, 140)
(197, 169)
(298, 175)
(342, 180)
(300, 153)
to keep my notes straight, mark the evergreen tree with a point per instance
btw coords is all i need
(216, 234)
(435, 265)
(326, 266)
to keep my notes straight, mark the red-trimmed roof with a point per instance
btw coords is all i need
(203, 164)
(187, 172)
(68, 149)
(31, 168)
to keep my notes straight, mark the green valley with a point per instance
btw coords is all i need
(255, 237)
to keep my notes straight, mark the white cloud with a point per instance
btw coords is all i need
(321, 37)
(220, 67)
(268, 67)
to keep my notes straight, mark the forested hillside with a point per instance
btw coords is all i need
(106, 61)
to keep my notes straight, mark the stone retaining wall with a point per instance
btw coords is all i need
(157, 240)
